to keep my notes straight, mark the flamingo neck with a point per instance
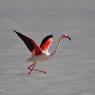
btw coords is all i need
(56, 47)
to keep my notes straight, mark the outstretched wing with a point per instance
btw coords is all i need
(46, 42)
(31, 45)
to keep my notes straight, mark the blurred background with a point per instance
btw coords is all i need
(72, 70)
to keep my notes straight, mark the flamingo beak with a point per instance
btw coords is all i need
(66, 36)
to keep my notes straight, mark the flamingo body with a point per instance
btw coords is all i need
(44, 56)
(39, 53)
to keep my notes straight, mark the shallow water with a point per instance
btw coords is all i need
(72, 70)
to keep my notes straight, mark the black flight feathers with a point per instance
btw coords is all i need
(45, 39)
(28, 41)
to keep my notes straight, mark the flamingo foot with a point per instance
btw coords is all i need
(40, 71)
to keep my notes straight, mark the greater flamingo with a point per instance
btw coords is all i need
(39, 53)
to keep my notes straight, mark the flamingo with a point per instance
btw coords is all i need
(39, 53)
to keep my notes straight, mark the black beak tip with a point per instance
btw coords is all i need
(70, 39)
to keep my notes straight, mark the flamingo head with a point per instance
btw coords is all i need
(66, 36)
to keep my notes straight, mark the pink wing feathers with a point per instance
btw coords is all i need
(46, 42)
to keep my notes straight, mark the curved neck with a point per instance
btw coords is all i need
(56, 47)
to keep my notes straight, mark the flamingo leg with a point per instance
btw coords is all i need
(30, 66)
(31, 69)
(39, 71)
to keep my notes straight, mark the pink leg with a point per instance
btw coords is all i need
(30, 66)
(39, 71)
(31, 69)
(33, 65)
